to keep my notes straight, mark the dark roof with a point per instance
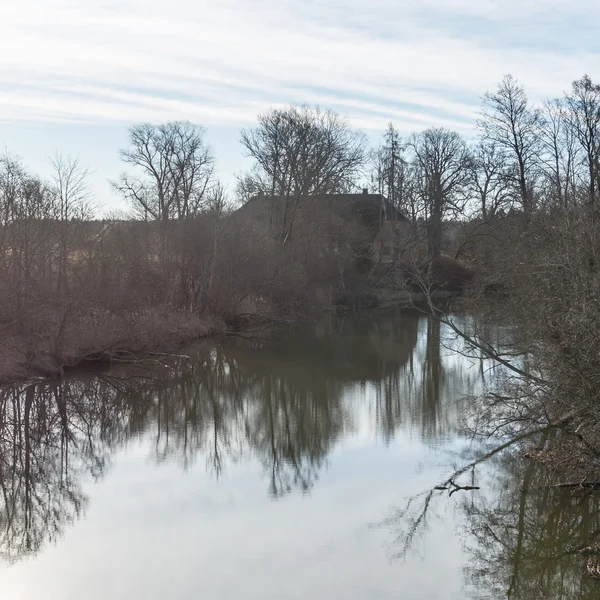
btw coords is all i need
(369, 207)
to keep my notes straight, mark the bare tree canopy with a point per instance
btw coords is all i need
(73, 200)
(583, 117)
(23, 196)
(443, 163)
(509, 120)
(176, 169)
(559, 152)
(391, 174)
(492, 184)
(70, 181)
(301, 151)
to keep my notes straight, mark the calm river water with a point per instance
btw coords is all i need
(281, 468)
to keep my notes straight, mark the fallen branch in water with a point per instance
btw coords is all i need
(412, 518)
(455, 487)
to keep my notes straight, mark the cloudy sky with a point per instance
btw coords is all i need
(74, 74)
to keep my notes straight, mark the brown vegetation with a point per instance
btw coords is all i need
(444, 214)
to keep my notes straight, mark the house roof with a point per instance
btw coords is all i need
(370, 208)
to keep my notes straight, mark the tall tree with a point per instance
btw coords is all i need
(297, 152)
(391, 172)
(490, 179)
(559, 152)
(444, 167)
(73, 199)
(28, 211)
(583, 116)
(175, 169)
(509, 120)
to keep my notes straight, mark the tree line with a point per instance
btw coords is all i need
(75, 286)
(524, 157)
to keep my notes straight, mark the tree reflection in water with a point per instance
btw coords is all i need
(38, 474)
(525, 538)
(522, 534)
(285, 401)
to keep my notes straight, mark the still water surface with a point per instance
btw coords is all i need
(280, 469)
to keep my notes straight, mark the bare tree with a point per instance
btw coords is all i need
(176, 169)
(27, 251)
(559, 152)
(444, 164)
(27, 207)
(218, 202)
(70, 179)
(11, 178)
(508, 120)
(583, 117)
(491, 181)
(73, 198)
(390, 172)
(297, 152)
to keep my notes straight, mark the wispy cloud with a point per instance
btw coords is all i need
(220, 63)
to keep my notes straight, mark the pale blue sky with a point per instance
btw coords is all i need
(74, 74)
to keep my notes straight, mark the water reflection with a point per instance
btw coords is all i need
(284, 401)
(523, 535)
(38, 469)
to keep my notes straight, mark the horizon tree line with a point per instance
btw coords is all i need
(523, 157)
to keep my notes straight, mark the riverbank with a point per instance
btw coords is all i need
(103, 338)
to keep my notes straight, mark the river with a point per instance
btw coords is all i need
(300, 464)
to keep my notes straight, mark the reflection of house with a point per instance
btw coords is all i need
(379, 222)
(365, 347)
